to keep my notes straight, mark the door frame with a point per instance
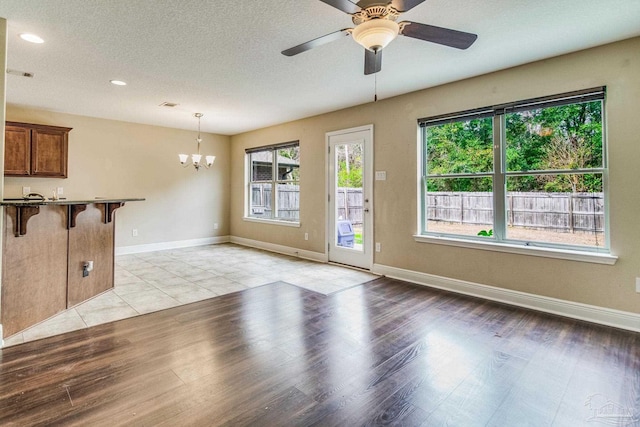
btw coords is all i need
(368, 174)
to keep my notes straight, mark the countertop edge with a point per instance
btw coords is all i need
(67, 201)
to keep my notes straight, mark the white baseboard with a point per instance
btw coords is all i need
(590, 313)
(286, 250)
(126, 250)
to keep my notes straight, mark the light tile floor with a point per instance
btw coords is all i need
(154, 281)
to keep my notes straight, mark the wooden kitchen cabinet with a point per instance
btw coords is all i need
(17, 151)
(35, 150)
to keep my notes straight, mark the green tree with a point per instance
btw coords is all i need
(349, 165)
(351, 178)
(567, 153)
(559, 137)
(460, 147)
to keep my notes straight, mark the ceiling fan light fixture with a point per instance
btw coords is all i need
(376, 34)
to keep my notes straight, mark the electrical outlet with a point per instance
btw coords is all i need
(638, 285)
(378, 247)
(134, 232)
(215, 225)
(60, 191)
(306, 236)
(26, 190)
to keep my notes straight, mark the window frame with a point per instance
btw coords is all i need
(274, 181)
(499, 175)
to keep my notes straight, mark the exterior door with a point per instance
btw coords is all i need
(350, 203)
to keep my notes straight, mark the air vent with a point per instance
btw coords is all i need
(19, 73)
(169, 104)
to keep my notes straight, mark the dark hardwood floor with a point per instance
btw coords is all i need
(385, 352)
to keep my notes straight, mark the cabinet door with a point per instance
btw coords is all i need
(17, 151)
(49, 153)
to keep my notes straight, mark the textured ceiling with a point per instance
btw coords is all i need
(222, 58)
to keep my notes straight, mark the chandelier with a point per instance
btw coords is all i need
(196, 159)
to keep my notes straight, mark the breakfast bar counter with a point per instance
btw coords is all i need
(56, 254)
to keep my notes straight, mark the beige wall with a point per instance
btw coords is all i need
(617, 66)
(3, 79)
(110, 158)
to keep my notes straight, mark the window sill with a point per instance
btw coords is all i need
(272, 221)
(592, 257)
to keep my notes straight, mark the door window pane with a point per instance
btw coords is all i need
(349, 196)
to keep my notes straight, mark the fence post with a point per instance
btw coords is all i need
(346, 203)
(595, 217)
(461, 208)
(571, 220)
(510, 196)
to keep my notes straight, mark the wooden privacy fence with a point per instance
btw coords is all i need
(567, 212)
(349, 201)
(288, 201)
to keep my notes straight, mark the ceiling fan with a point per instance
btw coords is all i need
(376, 26)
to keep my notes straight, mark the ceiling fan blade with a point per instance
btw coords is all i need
(405, 5)
(372, 61)
(444, 36)
(363, 4)
(316, 42)
(344, 5)
(399, 5)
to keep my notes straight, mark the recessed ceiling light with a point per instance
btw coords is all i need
(118, 82)
(31, 38)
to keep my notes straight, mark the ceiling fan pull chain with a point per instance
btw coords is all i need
(375, 87)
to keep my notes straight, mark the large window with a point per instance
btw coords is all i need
(531, 172)
(274, 182)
